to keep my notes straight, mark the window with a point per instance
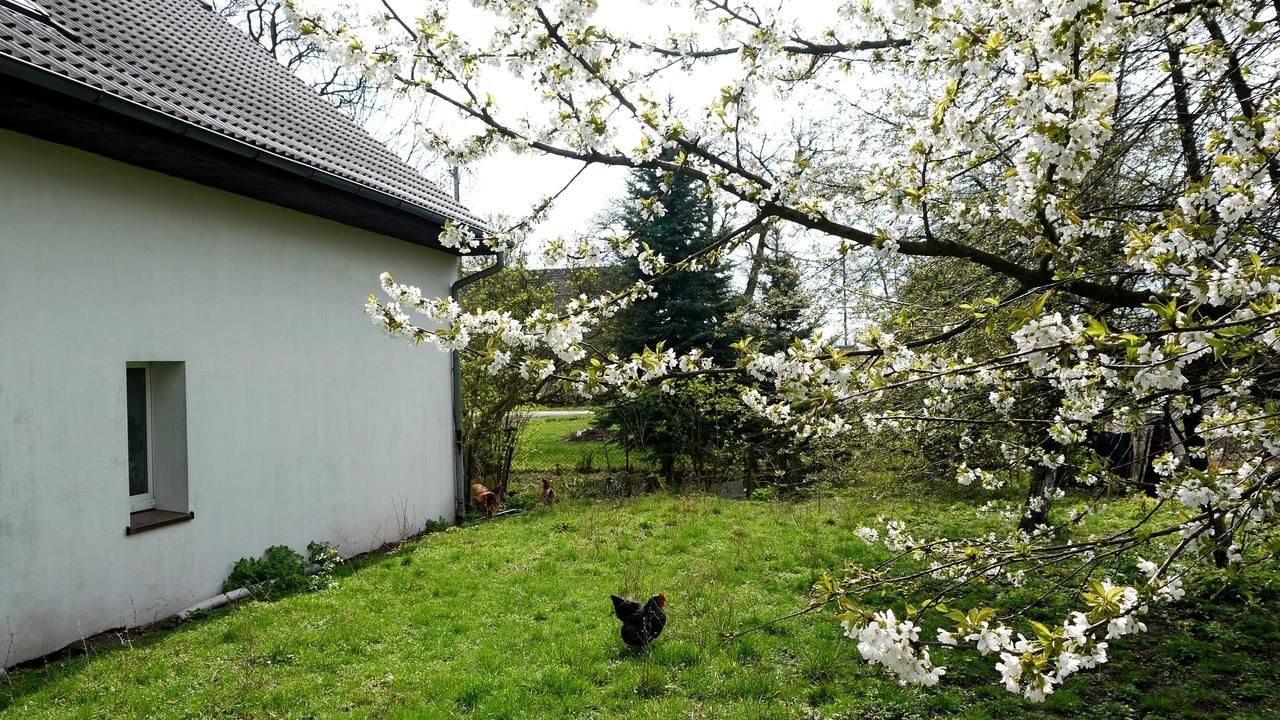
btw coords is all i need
(139, 400)
(156, 419)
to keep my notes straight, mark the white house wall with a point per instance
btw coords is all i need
(304, 422)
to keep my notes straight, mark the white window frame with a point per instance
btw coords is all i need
(147, 500)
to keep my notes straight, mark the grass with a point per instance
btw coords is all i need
(512, 619)
(535, 407)
(544, 445)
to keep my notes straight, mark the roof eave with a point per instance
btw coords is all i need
(76, 90)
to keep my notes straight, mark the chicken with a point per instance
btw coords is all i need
(485, 499)
(548, 494)
(641, 624)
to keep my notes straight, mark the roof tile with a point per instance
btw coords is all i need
(179, 58)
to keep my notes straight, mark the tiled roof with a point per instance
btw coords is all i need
(178, 58)
(568, 282)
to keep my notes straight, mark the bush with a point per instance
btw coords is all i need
(279, 570)
(326, 557)
(437, 525)
(699, 423)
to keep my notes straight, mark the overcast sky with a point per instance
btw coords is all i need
(511, 184)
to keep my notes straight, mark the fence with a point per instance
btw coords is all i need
(563, 441)
(564, 447)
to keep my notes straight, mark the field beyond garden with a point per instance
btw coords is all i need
(511, 619)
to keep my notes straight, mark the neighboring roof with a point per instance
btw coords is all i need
(176, 65)
(567, 283)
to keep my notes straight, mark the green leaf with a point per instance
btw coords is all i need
(1043, 632)
(1038, 306)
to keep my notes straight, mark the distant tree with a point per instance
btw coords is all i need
(669, 213)
(268, 24)
(782, 309)
(490, 421)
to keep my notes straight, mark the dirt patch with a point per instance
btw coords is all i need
(592, 435)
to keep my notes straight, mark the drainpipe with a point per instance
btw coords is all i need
(459, 471)
(455, 359)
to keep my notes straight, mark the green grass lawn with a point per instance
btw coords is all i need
(511, 619)
(545, 445)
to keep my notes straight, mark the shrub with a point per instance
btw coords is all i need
(279, 570)
(697, 423)
(324, 555)
(437, 525)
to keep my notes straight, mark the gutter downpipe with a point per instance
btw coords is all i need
(455, 357)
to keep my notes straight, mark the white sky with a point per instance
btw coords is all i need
(512, 184)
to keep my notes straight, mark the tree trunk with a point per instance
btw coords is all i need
(757, 262)
(1039, 498)
(669, 469)
(1044, 481)
(1198, 459)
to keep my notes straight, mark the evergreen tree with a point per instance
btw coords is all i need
(691, 308)
(784, 310)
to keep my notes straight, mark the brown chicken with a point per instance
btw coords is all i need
(485, 500)
(548, 494)
(641, 624)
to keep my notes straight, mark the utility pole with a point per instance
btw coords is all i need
(844, 293)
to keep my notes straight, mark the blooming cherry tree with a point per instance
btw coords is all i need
(1112, 166)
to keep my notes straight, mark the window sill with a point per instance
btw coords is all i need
(152, 519)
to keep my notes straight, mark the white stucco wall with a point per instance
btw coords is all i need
(303, 421)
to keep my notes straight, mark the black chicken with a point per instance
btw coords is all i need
(641, 624)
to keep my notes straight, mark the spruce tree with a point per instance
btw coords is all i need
(784, 311)
(691, 308)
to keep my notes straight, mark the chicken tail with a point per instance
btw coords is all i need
(625, 608)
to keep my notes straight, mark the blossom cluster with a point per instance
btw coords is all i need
(886, 641)
(1137, 290)
(1029, 666)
